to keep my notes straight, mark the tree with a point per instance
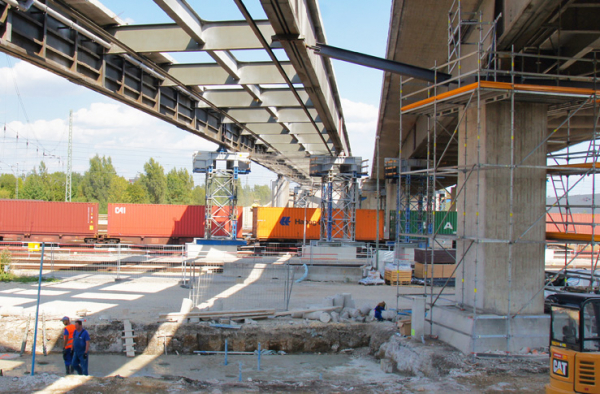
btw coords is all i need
(8, 183)
(155, 182)
(136, 193)
(96, 182)
(198, 196)
(262, 193)
(55, 186)
(34, 188)
(118, 190)
(179, 186)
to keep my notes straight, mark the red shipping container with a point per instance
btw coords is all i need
(557, 223)
(221, 215)
(47, 221)
(155, 221)
(158, 221)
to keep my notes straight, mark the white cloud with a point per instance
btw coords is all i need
(34, 81)
(361, 124)
(127, 135)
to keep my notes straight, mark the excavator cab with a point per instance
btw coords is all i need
(574, 343)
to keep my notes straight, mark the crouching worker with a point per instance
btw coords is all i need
(68, 344)
(81, 347)
(378, 309)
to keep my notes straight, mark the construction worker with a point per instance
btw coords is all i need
(81, 348)
(68, 343)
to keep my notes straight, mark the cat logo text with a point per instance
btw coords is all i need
(560, 368)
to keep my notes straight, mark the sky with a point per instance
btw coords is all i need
(35, 104)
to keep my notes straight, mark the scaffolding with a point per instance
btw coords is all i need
(494, 76)
(221, 213)
(339, 195)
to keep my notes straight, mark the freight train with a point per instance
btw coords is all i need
(41, 221)
(71, 222)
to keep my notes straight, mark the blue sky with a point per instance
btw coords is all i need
(35, 104)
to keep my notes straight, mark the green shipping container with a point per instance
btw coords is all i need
(444, 223)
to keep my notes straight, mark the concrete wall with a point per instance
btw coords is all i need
(485, 203)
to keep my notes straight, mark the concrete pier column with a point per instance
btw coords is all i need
(280, 192)
(485, 273)
(483, 207)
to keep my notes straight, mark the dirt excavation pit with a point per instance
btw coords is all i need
(304, 356)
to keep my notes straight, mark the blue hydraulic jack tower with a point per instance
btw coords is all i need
(339, 195)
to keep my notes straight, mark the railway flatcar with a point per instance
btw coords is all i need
(286, 224)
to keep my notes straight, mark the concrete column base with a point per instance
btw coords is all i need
(487, 332)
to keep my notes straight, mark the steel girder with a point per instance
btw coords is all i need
(228, 102)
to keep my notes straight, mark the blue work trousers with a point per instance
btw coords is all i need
(80, 364)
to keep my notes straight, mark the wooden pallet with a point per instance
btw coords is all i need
(397, 276)
(399, 283)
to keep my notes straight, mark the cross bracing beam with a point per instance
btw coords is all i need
(238, 98)
(260, 115)
(81, 42)
(245, 74)
(169, 37)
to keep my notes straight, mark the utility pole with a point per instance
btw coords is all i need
(69, 159)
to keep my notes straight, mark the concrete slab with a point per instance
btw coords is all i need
(487, 332)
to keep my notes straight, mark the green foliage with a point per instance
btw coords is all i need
(136, 194)
(100, 183)
(8, 183)
(180, 184)
(96, 182)
(198, 195)
(155, 182)
(34, 188)
(118, 190)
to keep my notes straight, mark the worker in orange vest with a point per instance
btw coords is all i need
(68, 344)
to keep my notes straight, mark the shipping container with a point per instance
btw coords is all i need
(556, 223)
(285, 223)
(366, 225)
(288, 224)
(444, 223)
(43, 221)
(149, 223)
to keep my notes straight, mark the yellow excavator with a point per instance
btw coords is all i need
(574, 343)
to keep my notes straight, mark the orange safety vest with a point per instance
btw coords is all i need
(69, 338)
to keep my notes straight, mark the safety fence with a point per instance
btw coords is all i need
(242, 285)
(119, 260)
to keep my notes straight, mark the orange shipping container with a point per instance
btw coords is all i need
(288, 223)
(366, 225)
(285, 223)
